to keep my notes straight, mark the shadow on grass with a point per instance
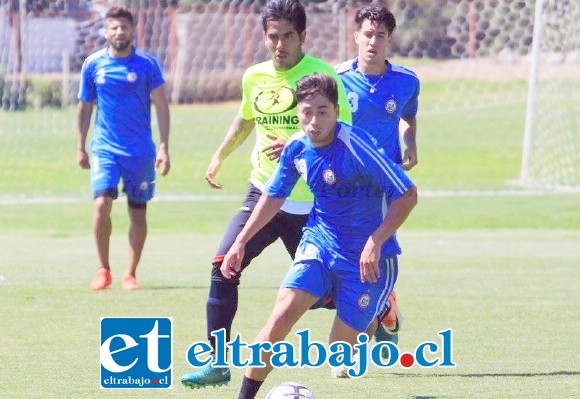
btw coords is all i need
(480, 375)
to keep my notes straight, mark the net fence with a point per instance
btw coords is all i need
(473, 58)
(204, 46)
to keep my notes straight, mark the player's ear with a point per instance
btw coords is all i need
(302, 37)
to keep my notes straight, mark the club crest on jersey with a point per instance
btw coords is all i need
(364, 301)
(391, 106)
(131, 77)
(329, 176)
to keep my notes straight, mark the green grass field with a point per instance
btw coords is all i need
(500, 268)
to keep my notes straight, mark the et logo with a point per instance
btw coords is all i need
(136, 352)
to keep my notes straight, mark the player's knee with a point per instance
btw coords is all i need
(216, 275)
(102, 205)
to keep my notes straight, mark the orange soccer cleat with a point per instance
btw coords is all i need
(102, 279)
(129, 283)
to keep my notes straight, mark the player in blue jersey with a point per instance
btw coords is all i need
(123, 82)
(348, 249)
(380, 95)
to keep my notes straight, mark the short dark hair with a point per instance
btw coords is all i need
(317, 83)
(119, 12)
(375, 13)
(290, 10)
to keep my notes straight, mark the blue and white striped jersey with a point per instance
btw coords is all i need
(352, 180)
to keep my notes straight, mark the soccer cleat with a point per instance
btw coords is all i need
(101, 280)
(129, 283)
(388, 328)
(339, 372)
(342, 370)
(382, 335)
(207, 376)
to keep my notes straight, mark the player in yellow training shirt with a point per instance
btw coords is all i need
(268, 105)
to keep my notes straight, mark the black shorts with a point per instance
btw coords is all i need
(285, 226)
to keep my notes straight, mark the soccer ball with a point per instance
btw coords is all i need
(290, 390)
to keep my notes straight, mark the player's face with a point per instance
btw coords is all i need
(318, 118)
(284, 44)
(373, 41)
(119, 34)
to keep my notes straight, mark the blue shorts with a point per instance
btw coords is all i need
(326, 274)
(138, 174)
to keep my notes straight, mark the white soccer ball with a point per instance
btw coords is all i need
(290, 390)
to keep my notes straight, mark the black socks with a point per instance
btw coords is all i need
(249, 388)
(221, 308)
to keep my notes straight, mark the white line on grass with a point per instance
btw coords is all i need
(28, 200)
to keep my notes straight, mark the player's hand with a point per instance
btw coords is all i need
(232, 263)
(369, 262)
(274, 150)
(83, 159)
(212, 169)
(410, 158)
(162, 163)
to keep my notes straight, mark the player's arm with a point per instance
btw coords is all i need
(397, 213)
(410, 139)
(158, 98)
(84, 113)
(237, 133)
(266, 208)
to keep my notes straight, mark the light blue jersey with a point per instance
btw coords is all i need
(352, 180)
(379, 102)
(122, 88)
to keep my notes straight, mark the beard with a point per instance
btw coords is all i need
(120, 45)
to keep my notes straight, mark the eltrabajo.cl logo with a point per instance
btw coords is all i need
(136, 352)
